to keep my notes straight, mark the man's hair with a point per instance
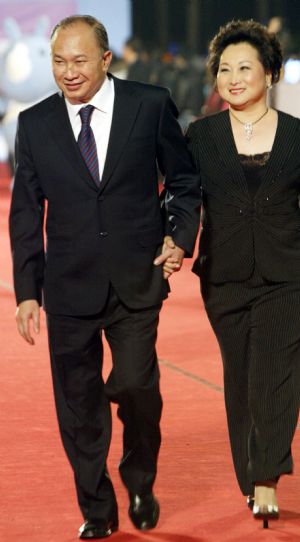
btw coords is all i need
(97, 26)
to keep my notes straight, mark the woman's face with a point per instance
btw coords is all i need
(241, 78)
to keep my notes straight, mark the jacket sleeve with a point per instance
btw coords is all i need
(182, 190)
(26, 223)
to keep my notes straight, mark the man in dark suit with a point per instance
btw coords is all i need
(91, 152)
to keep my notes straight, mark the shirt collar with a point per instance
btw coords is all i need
(102, 100)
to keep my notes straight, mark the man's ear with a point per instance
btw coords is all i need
(107, 58)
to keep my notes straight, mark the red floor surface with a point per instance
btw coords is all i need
(200, 500)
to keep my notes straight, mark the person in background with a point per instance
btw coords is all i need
(136, 61)
(278, 26)
(249, 256)
(91, 152)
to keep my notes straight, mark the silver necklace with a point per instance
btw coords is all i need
(248, 126)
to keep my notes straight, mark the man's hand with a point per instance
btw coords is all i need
(26, 311)
(171, 257)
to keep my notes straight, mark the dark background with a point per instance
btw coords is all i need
(191, 24)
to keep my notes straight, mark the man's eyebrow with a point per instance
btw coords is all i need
(75, 56)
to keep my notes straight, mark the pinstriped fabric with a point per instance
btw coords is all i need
(87, 144)
(249, 264)
(256, 323)
(264, 229)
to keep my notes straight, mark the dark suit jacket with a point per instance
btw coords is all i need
(97, 236)
(238, 233)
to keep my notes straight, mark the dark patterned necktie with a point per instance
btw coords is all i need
(87, 144)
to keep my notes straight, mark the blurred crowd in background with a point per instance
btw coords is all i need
(184, 74)
(23, 70)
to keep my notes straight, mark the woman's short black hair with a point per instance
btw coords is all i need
(254, 33)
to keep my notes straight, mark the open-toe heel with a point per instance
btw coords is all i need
(265, 505)
(265, 513)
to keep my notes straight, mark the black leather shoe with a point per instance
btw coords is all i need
(143, 511)
(250, 501)
(97, 529)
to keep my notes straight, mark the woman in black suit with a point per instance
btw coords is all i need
(249, 256)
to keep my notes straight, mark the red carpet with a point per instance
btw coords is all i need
(200, 500)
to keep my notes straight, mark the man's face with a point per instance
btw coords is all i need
(79, 65)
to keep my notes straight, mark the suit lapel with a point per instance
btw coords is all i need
(126, 107)
(221, 132)
(61, 129)
(282, 148)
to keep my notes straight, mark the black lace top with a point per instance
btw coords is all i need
(253, 166)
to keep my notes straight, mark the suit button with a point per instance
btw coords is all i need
(100, 198)
(103, 233)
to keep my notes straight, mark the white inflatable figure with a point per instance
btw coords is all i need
(4, 153)
(25, 73)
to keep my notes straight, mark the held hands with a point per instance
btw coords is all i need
(171, 257)
(26, 311)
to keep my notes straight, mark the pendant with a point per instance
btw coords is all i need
(248, 127)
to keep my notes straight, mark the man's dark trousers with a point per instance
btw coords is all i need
(83, 399)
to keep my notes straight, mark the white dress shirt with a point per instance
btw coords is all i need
(103, 101)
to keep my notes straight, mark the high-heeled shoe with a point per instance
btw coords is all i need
(265, 505)
(269, 511)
